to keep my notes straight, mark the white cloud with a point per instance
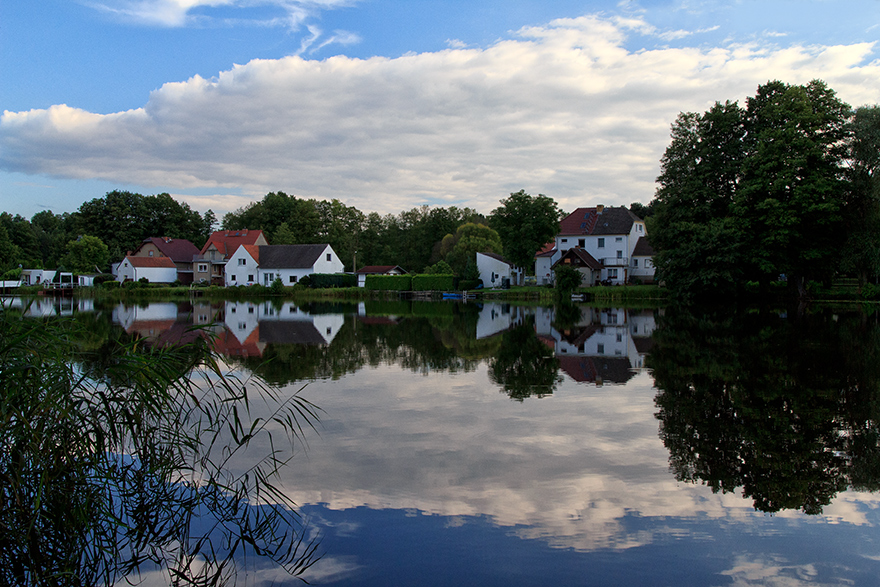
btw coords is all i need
(563, 109)
(177, 13)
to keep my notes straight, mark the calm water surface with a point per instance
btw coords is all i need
(497, 445)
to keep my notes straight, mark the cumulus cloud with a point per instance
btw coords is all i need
(565, 109)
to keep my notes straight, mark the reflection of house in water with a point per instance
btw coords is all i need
(162, 324)
(496, 318)
(48, 307)
(251, 326)
(601, 345)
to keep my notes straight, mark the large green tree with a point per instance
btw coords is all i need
(749, 194)
(861, 252)
(86, 254)
(471, 239)
(525, 223)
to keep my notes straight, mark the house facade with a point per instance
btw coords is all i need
(153, 269)
(251, 264)
(496, 271)
(179, 250)
(210, 265)
(609, 235)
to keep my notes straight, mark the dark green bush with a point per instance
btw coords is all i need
(433, 283)
(389, 282)
(330, 280)
(466, 284)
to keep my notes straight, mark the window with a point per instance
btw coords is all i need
(242, 262)
(329, 330)
(601, 243)
(203, 267)
(565, 240)
(600, 349)
(329, 257)
(636, 263)
(232, 278)
(232, 310)
(293, 279)
(582, 242)
(640, 228)
(612, 274)
(648, 263)
(151, 253)
(620, 254)
(242, 325)
(250, 309)
(250, 277)
(619, 337)
(619, 239)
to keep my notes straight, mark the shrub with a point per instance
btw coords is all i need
(389, 282)
(433, 283)
(277, 286)
(329, 280)
(466, 284)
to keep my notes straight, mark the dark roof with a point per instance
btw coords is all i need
(178, 250)
(290, 256)
(643, 248)
(596, 369)
(589, 221)
(379, 269)
(580, 257)
(294, 332)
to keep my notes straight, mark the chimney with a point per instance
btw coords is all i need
(599, 208)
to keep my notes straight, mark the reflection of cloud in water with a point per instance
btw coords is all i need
(773, 572)
(568, 468)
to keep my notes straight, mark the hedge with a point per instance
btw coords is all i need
(433, 283)
(389, 282)
(328, 280)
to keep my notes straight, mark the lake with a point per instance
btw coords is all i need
(491, 444)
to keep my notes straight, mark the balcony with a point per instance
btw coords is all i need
(615, 261)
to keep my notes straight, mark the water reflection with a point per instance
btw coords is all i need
(787, 409)
(524, 445)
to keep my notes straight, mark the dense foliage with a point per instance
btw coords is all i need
(760, 193)
(525, 223)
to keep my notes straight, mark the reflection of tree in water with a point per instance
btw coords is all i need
(127, 470)
(524, 366)
(786, 408)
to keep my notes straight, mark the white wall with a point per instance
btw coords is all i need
(487, 266)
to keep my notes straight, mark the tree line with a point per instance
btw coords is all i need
(780, 192)
(104, 229)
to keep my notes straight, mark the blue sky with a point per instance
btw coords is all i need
(386, 105)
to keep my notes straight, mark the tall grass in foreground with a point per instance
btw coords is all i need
(117, 463)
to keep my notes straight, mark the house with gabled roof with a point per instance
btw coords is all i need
(153, 269)
(211, 263)
(496, 271)
(608, 234)
(179, 250)
(252, 264)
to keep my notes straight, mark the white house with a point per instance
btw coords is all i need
(495, 270)
(609, 235)
(154, 269)
(263, 264)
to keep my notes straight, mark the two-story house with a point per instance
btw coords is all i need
(606, 239)
(210, 265)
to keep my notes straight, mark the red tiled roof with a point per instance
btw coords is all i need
(253, 251)
(227, 241)
(547, 250)
(611, 220)
(151, 262)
